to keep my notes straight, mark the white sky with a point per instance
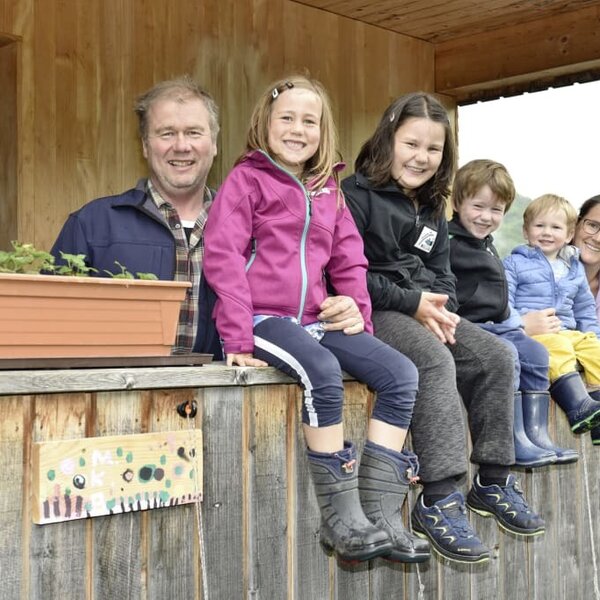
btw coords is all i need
(549, 141)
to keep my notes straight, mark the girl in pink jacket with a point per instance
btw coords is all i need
(277, 235)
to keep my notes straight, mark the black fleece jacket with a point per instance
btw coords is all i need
(481, 286)
(407, 248)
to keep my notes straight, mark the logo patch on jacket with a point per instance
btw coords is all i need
(426, 239)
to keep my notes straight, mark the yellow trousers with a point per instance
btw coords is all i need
(569, 347)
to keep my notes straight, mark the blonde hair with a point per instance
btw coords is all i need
(319, 168)
(470, 178)
(550, 203)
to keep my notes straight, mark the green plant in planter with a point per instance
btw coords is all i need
(25, 258)
(125, 274)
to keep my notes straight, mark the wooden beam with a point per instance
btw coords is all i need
(549, 48)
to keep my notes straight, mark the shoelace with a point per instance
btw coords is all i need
(515, 495)
(456, 516)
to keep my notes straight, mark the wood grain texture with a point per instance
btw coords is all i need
(261, 522)
(76, 128)
(58, 556)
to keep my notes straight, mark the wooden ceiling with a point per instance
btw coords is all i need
(442, 20)
(528, 41)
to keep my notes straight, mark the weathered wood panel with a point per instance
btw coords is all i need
(76, 127)
(259, 514)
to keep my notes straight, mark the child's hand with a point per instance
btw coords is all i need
(245, 360)
(434, 316)
(539, 322)
(341, 314)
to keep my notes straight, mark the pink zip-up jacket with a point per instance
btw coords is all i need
(268, 245)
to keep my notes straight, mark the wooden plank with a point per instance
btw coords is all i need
(554, 46)
(13, 523)
(173, 542)
(267, 492)
(58, 555)
(310, 558)
(223, 507)
(119, 541)
(214, 375)
(8, 143)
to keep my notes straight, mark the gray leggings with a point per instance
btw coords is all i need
(477, 367)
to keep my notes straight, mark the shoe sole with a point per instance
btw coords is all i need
(587, 424)
(402, 557)
(368, 553)
(458, 558)
(486, 512)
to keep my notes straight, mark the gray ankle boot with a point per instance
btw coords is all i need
(345, 530)
(383, 481)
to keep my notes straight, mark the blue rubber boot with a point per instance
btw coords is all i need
(570, 394)
(535, 421)
(345, 530)
(527, 453)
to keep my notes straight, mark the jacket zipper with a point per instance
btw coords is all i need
(307, 217)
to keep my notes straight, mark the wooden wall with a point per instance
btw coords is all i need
(260, 517)
(80, 64)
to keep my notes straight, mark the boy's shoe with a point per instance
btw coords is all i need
(446, 526)
(507, 505)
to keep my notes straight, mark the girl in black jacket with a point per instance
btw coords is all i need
(397, 197)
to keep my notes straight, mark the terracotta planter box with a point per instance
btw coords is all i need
(45, 316)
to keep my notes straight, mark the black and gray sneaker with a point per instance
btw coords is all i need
(446, 526)
(507, 505)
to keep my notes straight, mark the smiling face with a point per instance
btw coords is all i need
(587, 241)
(179, 147)
(295, 128)
(481, 214)
(418, 151)
(549, 232)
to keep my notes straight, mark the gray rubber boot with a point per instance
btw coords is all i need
(345, 530)
(570, 394)
(383, 480)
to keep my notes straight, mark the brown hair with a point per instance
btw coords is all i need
(470, 178)
(377, 153)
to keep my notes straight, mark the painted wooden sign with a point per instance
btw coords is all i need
(97, 476)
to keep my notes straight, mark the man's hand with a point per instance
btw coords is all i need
(434, 316)
(341, 313)
(244, 360)
(538, 322)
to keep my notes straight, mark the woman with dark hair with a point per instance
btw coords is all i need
(397, 197)
(587, 239)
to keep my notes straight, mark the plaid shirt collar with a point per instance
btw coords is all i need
(188, 264)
